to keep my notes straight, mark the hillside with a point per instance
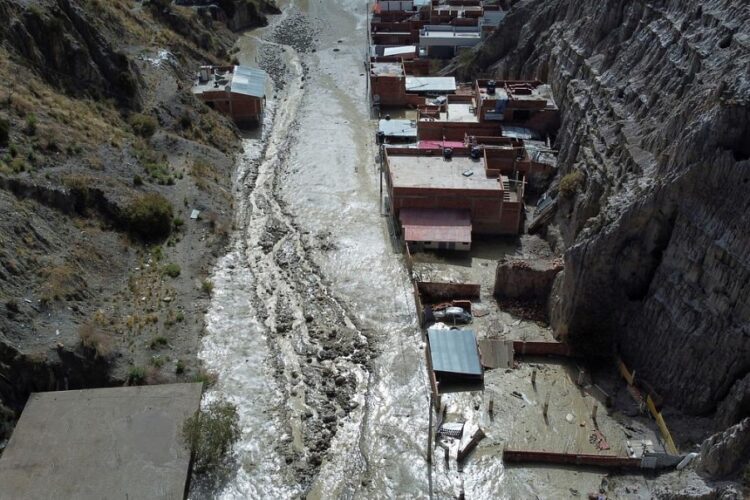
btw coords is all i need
(104, 154)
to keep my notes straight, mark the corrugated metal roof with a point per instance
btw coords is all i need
(395, 51)
(430, 84)
(454, 351)
(398, 128)
(249, 81)
(435, 224)
(516, 132)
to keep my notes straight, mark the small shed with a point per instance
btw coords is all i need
(398, 130)
(454, 360)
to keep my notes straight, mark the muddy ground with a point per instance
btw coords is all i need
(312, 327)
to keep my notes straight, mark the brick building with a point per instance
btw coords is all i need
(236, 91)
(427, 180)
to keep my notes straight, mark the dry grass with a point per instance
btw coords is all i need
(94, 337)
(570, 183)
(60, 282)
(203, 173)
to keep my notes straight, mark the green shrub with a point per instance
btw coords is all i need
(570, 183)
(137, 180)
(31, 124)
(172, 270)
(207, 286)
(210, 434)
(4, 132)
(206, 377)
(158, 341)
(179, 368)
(149, 216)
(17, 165)
(136, 375)
(186, 120)
(143, 125)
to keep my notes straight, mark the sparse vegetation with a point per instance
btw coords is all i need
(570, 183)
(149, 217)
(206, 377)
(31, 124)
(158, 341)
(186, 120)
(210, 434)
(207, 286)
(158, 361)
(142, 125)
(136, 375)
(137, 180)
(11, 306)
(172, 270)
(4, 132)
(179, 367)
(60, 282)
(93, 337)
(202, 173)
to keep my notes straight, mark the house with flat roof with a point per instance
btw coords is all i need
(527, 103)
(489, 108)
(236, 91)
(439, 188)
(405, 83)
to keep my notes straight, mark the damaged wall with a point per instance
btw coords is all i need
(655, 99)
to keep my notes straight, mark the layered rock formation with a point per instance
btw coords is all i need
(655, 100)
(725, 452)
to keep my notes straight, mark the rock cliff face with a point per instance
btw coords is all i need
(725, 452)
(655, 100)
(60, 40)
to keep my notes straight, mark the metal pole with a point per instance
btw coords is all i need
(429, 433)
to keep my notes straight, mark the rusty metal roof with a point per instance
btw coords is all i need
(436, 224)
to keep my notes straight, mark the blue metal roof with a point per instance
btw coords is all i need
(249, 81)
(454, 351)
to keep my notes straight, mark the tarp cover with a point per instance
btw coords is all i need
(454, 351)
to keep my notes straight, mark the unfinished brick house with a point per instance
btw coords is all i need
(453, 191)
(236, 91)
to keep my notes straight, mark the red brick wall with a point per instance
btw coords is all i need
(391, 89)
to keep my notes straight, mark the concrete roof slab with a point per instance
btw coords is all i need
(113, 443)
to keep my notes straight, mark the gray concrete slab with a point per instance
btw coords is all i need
(118, 443)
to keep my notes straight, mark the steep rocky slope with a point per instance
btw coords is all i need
(104, 153)
(655, 99)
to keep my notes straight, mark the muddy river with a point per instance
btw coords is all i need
(311, 328)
